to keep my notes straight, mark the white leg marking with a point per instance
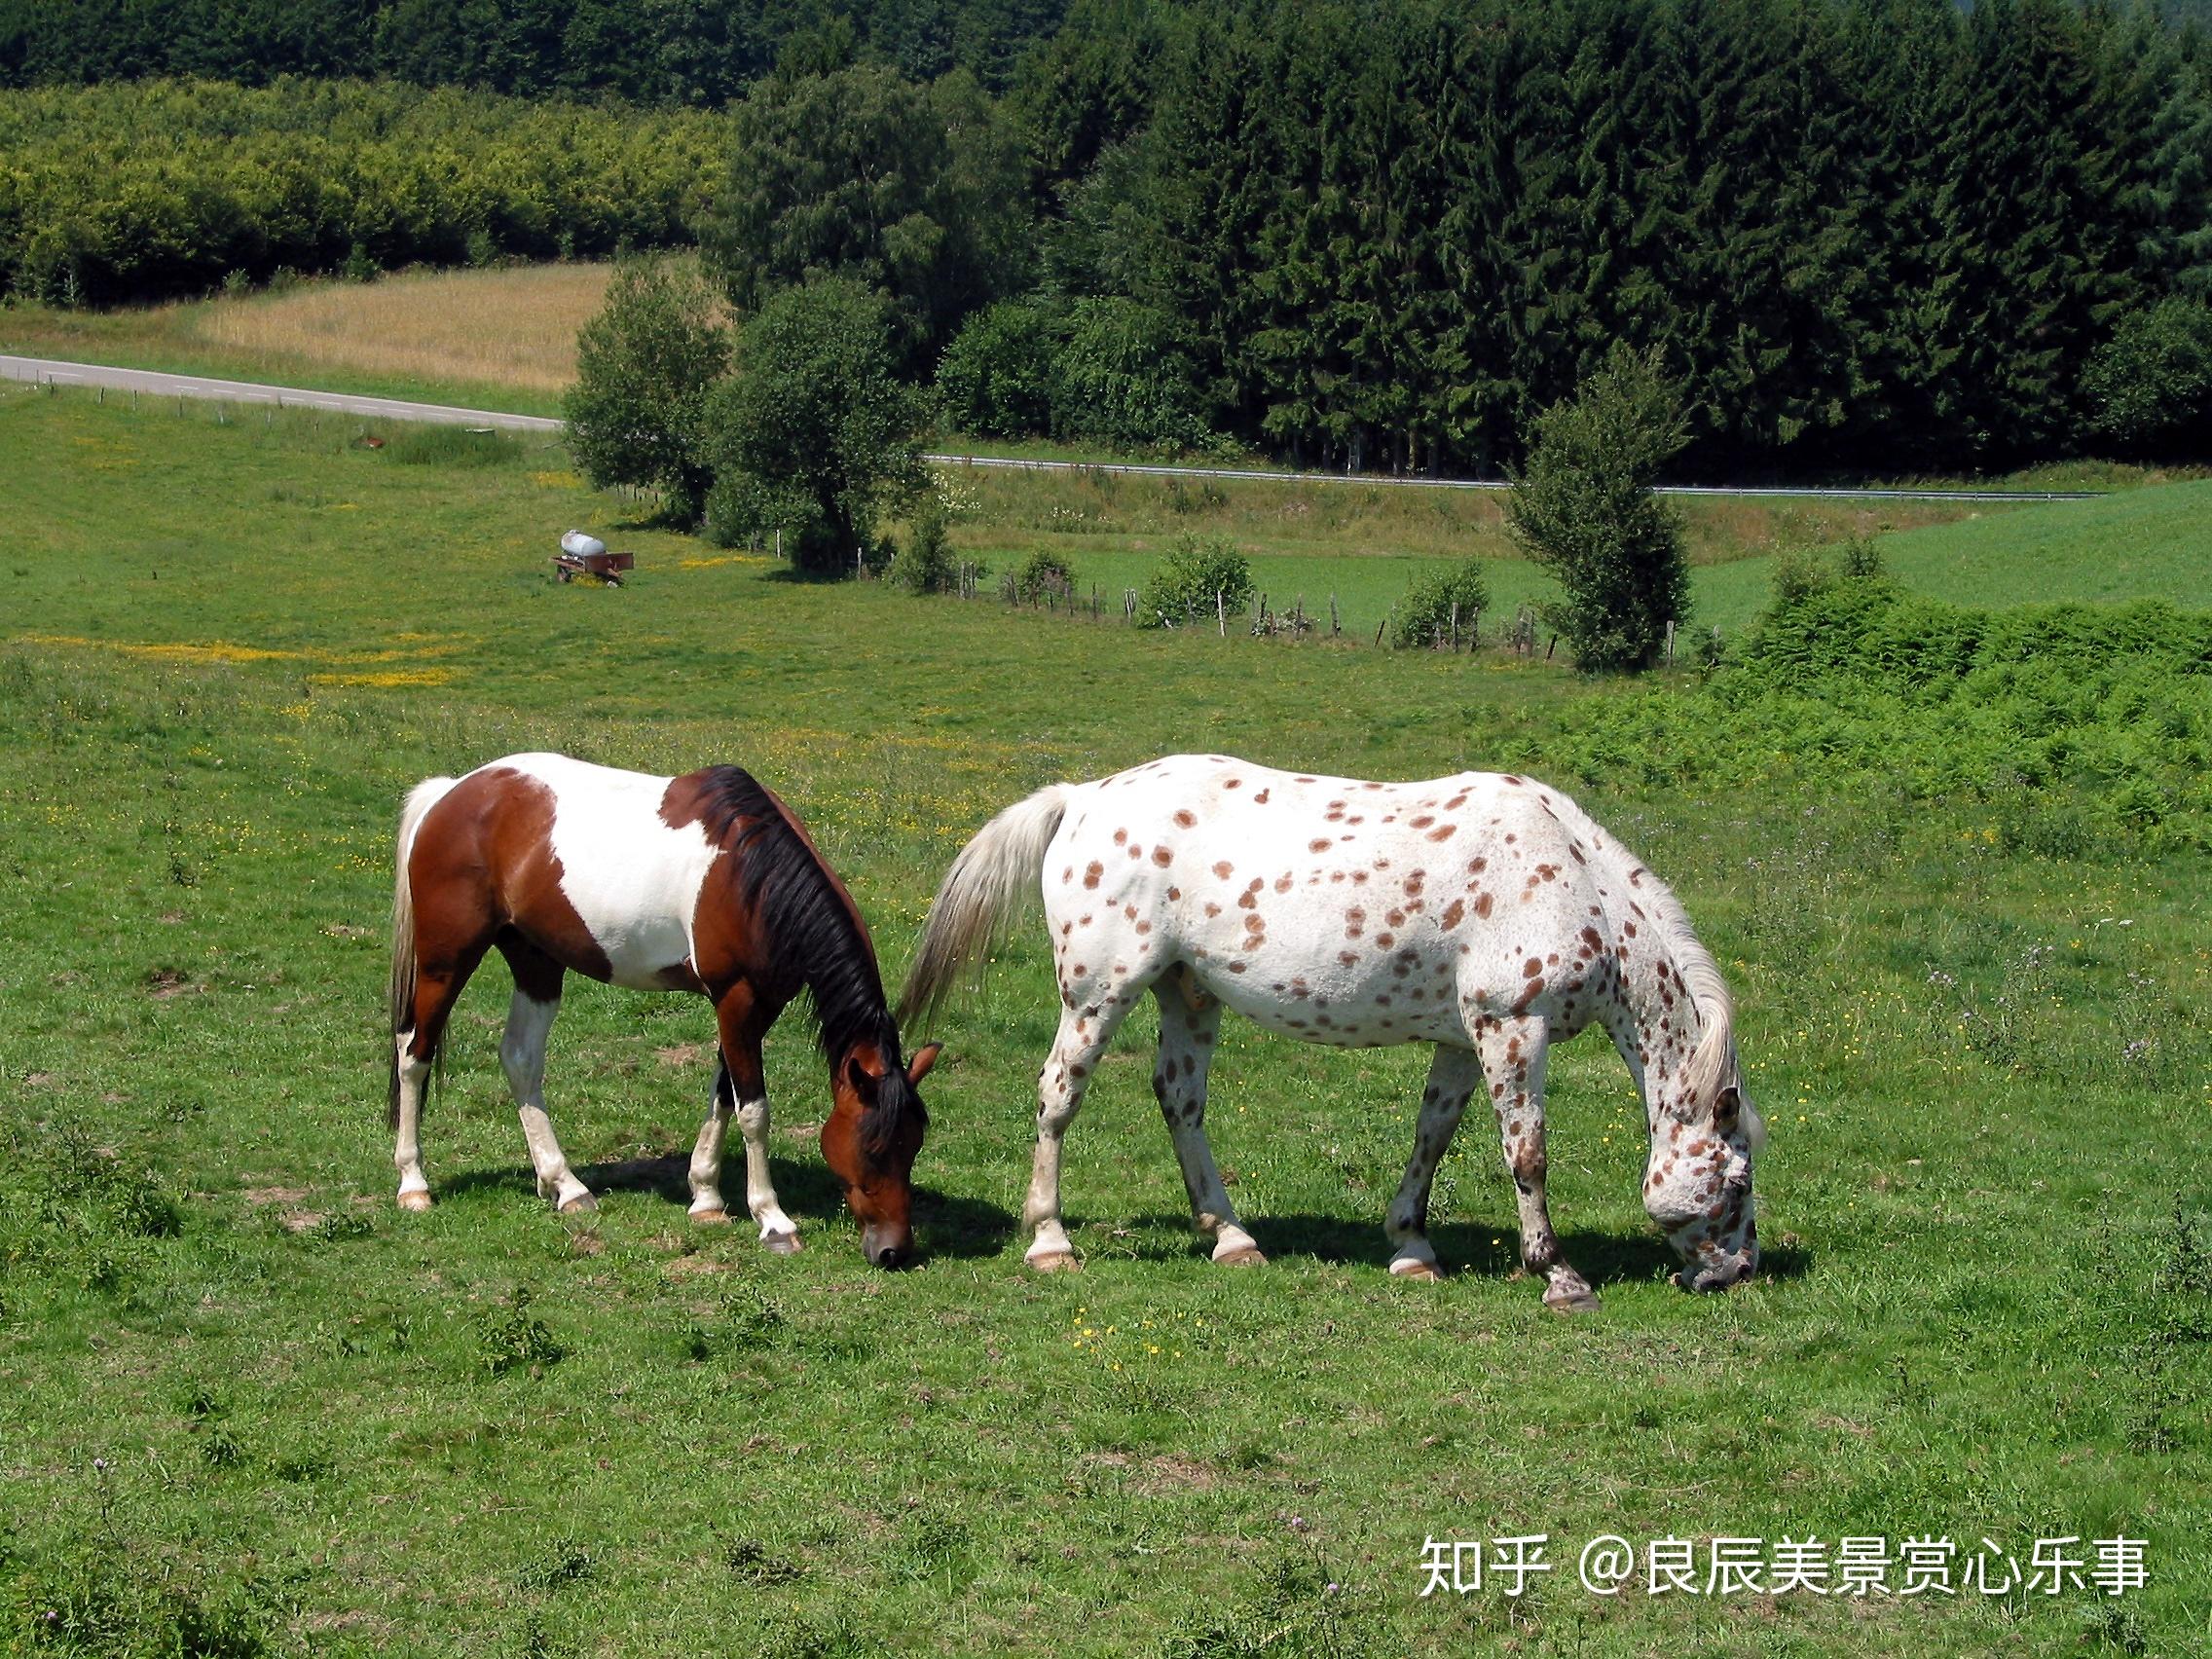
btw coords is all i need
(407, 1147)
(1513, 1053)
(777, 1232)
(522, 1055)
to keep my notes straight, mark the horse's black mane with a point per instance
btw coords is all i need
(808, 918)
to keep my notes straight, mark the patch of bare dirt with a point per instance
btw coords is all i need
(164, 983)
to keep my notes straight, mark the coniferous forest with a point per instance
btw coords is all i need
(1874, 235)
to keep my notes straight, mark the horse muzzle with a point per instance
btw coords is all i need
(885, 1248)
(1723, 1270)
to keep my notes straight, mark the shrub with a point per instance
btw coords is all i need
(925, 565)
(1045, 576)
(1440, 607)
(1797, 575)
(815, 434)
(1125, 376)
(2149, 386)
(1584, 508)
(1184, 585)
(995, 379)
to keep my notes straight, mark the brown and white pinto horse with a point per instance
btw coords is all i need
(704, 883)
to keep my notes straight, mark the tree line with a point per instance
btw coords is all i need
(699, 53)
(1859, 234)
(1870, 233)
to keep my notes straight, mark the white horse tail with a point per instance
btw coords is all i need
(420, 799)
(980, 895)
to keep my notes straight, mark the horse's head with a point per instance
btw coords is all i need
(1698, 1183)
(874, 1130)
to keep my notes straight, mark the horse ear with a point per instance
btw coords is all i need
(919, 1067)
(1727, 1108)
(860, 1080)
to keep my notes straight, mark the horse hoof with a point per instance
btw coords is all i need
(415, 1201)
(710, 1218)
(1425, 1272)
(1244, 1256)
(1053, 1260)
(581, 1203)
(780, 1243)
(1572, 1300)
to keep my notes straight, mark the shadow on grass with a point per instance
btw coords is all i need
(945, 1224)
(1463, 1248)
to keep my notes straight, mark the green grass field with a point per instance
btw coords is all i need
(253, 1408)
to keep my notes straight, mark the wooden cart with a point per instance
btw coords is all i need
(601, 567)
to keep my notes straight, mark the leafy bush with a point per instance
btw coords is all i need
(2151, 385)
(1125, 376)
(1045, 574)
(1441, 605)
(925, 565)
(1797, 574)
(2080, 727)
(644, 367)
(1584, 508)
(995, 380)
(1184, 585)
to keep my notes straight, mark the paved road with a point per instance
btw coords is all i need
(146, 380)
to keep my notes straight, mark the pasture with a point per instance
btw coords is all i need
(253, 1408)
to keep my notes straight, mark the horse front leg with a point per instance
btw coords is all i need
(1513, 1062)
(741, 1091)
(1190, 1019)
(1453, 1076)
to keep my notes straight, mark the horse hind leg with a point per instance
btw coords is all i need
(1453, 1077)
(1513, 1062)
(522, 1055)
(1190, 1019)
(1085, 1030)
(440, 974)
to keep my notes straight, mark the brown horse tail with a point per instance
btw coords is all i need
(420, 799)
(982, 892)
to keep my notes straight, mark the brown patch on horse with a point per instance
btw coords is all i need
(482, 863)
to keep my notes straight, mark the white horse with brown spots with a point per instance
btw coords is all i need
(1484, 913)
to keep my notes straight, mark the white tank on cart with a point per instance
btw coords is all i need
(580, 544)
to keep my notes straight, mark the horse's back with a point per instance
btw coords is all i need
(1339, 909)
(565, 845)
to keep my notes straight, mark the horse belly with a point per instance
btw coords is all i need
(1374, 1000)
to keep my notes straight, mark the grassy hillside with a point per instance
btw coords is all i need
(2145, 543)
(254, 1408)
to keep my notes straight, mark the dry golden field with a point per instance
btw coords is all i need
(506, 327)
